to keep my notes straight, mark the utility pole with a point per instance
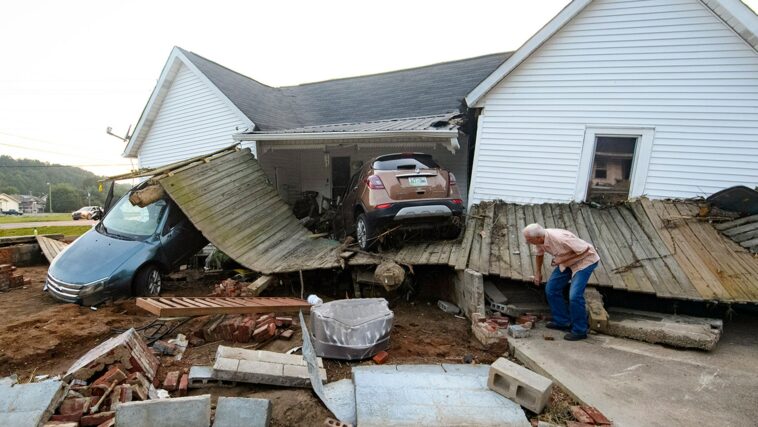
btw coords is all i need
(50, 196)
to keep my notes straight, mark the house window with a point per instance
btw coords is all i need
(611, 169)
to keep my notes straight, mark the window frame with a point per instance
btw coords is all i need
(640, 160)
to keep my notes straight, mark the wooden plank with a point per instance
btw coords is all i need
(735, 277)
(530, 218)
(600, 275)
(527, 263)
(608, 258)
(547, 214)
(468, 238)
(513, 243)
(486, 245)
(170, 307)
(50, 248)
(569, 223)
(701, 278)
(735, 223)
(617, 245)
(653, 283)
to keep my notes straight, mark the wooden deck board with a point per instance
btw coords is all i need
(201, 306)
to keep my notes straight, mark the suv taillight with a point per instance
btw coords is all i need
(451, 179)
(374, 182)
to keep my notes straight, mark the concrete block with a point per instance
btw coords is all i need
(29, 404)
(241, 411)
(202, 376)
(192, 411)
(657, 328)
(262, 367)
(527, 388)
(518, 331)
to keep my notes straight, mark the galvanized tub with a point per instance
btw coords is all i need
(351, 329)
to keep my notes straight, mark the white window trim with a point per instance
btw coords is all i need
(640, 162)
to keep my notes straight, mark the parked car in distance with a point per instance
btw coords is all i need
(404, 190)
(12, 212)
(87, 212)
(124, 254)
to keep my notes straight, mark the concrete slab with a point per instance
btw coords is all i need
(31, 404)
(202, 376)
(438, 395)
(339, 396)
(192, 411)
(640, 384)
(262, 367)
(673, 330)
(242, 411)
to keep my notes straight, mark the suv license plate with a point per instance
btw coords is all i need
(418, 181)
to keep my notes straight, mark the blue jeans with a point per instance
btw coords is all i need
(554, 290)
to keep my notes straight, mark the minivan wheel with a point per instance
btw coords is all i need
(148, 282)
(364, 233)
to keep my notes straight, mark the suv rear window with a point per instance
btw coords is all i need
(404, 161)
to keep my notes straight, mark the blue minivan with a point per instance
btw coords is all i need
(124, 254)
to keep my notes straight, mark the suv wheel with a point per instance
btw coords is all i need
(363, 233)
(148, 282)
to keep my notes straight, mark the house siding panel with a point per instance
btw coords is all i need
(668, 64)
(193, 120)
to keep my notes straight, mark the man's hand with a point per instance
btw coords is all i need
(537, 280)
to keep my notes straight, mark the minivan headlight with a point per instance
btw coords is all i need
(93, 287)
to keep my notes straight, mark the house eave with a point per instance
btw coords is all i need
(319, 136)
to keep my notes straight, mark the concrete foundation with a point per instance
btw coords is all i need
(639, 384)
(468, 292)
(676, 331)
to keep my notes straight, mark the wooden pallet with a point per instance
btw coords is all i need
(200, 306)
(50, 247)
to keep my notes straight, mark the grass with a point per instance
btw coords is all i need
(11, 219)
(68, 230)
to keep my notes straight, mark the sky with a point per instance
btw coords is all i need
(72, 68)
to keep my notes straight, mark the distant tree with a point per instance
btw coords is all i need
(66, 198)
(9, 190)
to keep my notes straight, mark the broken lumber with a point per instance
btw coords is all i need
(201, 306)
(261, 284)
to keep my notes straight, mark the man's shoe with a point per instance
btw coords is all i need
(574, 337)
(557, 327)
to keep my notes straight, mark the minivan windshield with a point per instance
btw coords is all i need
(127, 220)
(404, 161)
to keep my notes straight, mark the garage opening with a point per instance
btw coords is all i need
(611, 169)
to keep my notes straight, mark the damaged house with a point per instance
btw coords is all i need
(310, 137)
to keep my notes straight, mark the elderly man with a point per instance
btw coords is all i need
(575, 260)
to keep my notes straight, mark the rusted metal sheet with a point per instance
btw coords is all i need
(231, 201)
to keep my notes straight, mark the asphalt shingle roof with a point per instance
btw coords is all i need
(424, 91)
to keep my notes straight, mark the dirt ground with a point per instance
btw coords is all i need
(41, 336)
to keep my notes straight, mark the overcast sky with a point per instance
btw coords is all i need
(72, 68)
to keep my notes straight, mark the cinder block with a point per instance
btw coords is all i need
(242, 411)
(518, 331)
(192, 411)
(529, 389)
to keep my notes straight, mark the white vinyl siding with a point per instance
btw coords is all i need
(667, 65)
(193, 120)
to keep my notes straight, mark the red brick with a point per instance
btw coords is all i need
(577, 424)
(171, 381)
(262, 333)
(113, 374)
(109, 423)
(95, 420)
(596, 415)
(271, 329)
(580, 415)
(73, 406)
(287, 334)
(71, 418)
(524, 318)
(126, 394)
(381, 357)
(183, 385)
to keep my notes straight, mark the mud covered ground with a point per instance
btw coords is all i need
(41, 336)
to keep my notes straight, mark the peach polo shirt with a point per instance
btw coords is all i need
(563, 243)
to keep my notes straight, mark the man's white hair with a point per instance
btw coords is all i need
(534, 230)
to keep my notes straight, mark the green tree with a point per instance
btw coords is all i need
(65, 198)
(9, 190)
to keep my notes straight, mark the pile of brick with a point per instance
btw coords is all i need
(587, 416)
(119, 370)
(490, 329)
(244, 328)
(9, 279)
(232, 288)
(177, 381)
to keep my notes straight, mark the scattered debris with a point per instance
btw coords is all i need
(9, 279)
(331, 422)
(529, 389)
(262, 367)
(381, 357)
(242, 411)
(489, 330)
(390, 275)
(258, 328)
(127, 349)
(351, 329)
(448, 307)
(442, 395)
(590, 416)
(518, 331)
